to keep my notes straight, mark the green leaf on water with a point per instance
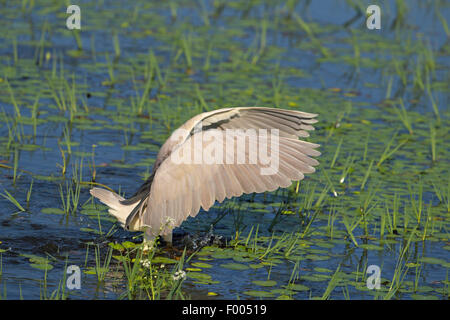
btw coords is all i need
(221, 255)
(412, 265)
(242, 259)
(425, 289)
(106, 143)
(324, 270)
(94, 206)
(199, 276)
(43, 266)
(265, 283)
(90, 270)
(316, 277)
(297, 287)
(28, 147)
(284, 297)
(122, 165)
(129, 245)
(370, 247)
(164, 260)
(205, 259)
(259, 294)
(92, 212)
(234, 266)
(116, 246)
(315, 257)
(47, 178)
(120, 258)
(256, 266)
(52, 211)
(201, 265)
(90, 230)
(431, 260)
(423, 297)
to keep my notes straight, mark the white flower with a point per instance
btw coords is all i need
(146, 263)
(170, 222)
(179, 275)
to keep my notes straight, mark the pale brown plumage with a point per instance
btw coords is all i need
(176, 190)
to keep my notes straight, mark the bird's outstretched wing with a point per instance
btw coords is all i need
(181, 184)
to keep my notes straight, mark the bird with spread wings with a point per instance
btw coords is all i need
(176, 189)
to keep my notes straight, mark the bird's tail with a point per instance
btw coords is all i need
(113, 201)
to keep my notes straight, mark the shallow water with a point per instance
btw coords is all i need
(243, 55)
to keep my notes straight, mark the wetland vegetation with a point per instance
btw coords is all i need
(92, 107)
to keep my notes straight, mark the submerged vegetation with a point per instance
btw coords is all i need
(92, 107)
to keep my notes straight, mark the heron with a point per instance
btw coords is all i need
(236, 142)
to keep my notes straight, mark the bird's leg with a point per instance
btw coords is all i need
(149, 241)
(168, 238)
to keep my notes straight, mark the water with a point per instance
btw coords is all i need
(229, 69)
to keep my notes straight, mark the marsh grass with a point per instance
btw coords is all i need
(111, 70)
(442, 193)
(106, 102)
(433, 102)
(388, 152)
(350, 226)
(366, 175)
(416, 199)
(336, 154)
(332, 284)
(433, 142)
(101, 270)
(13, 100)
(70, 197)
(16, 165)
(186, 49)
(146, 279)
(60, 293)
(403, 116)
(11, 199)
(141, 100)
(307, 29)
(401, 269)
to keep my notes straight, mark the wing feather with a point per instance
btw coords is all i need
(179, 190)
